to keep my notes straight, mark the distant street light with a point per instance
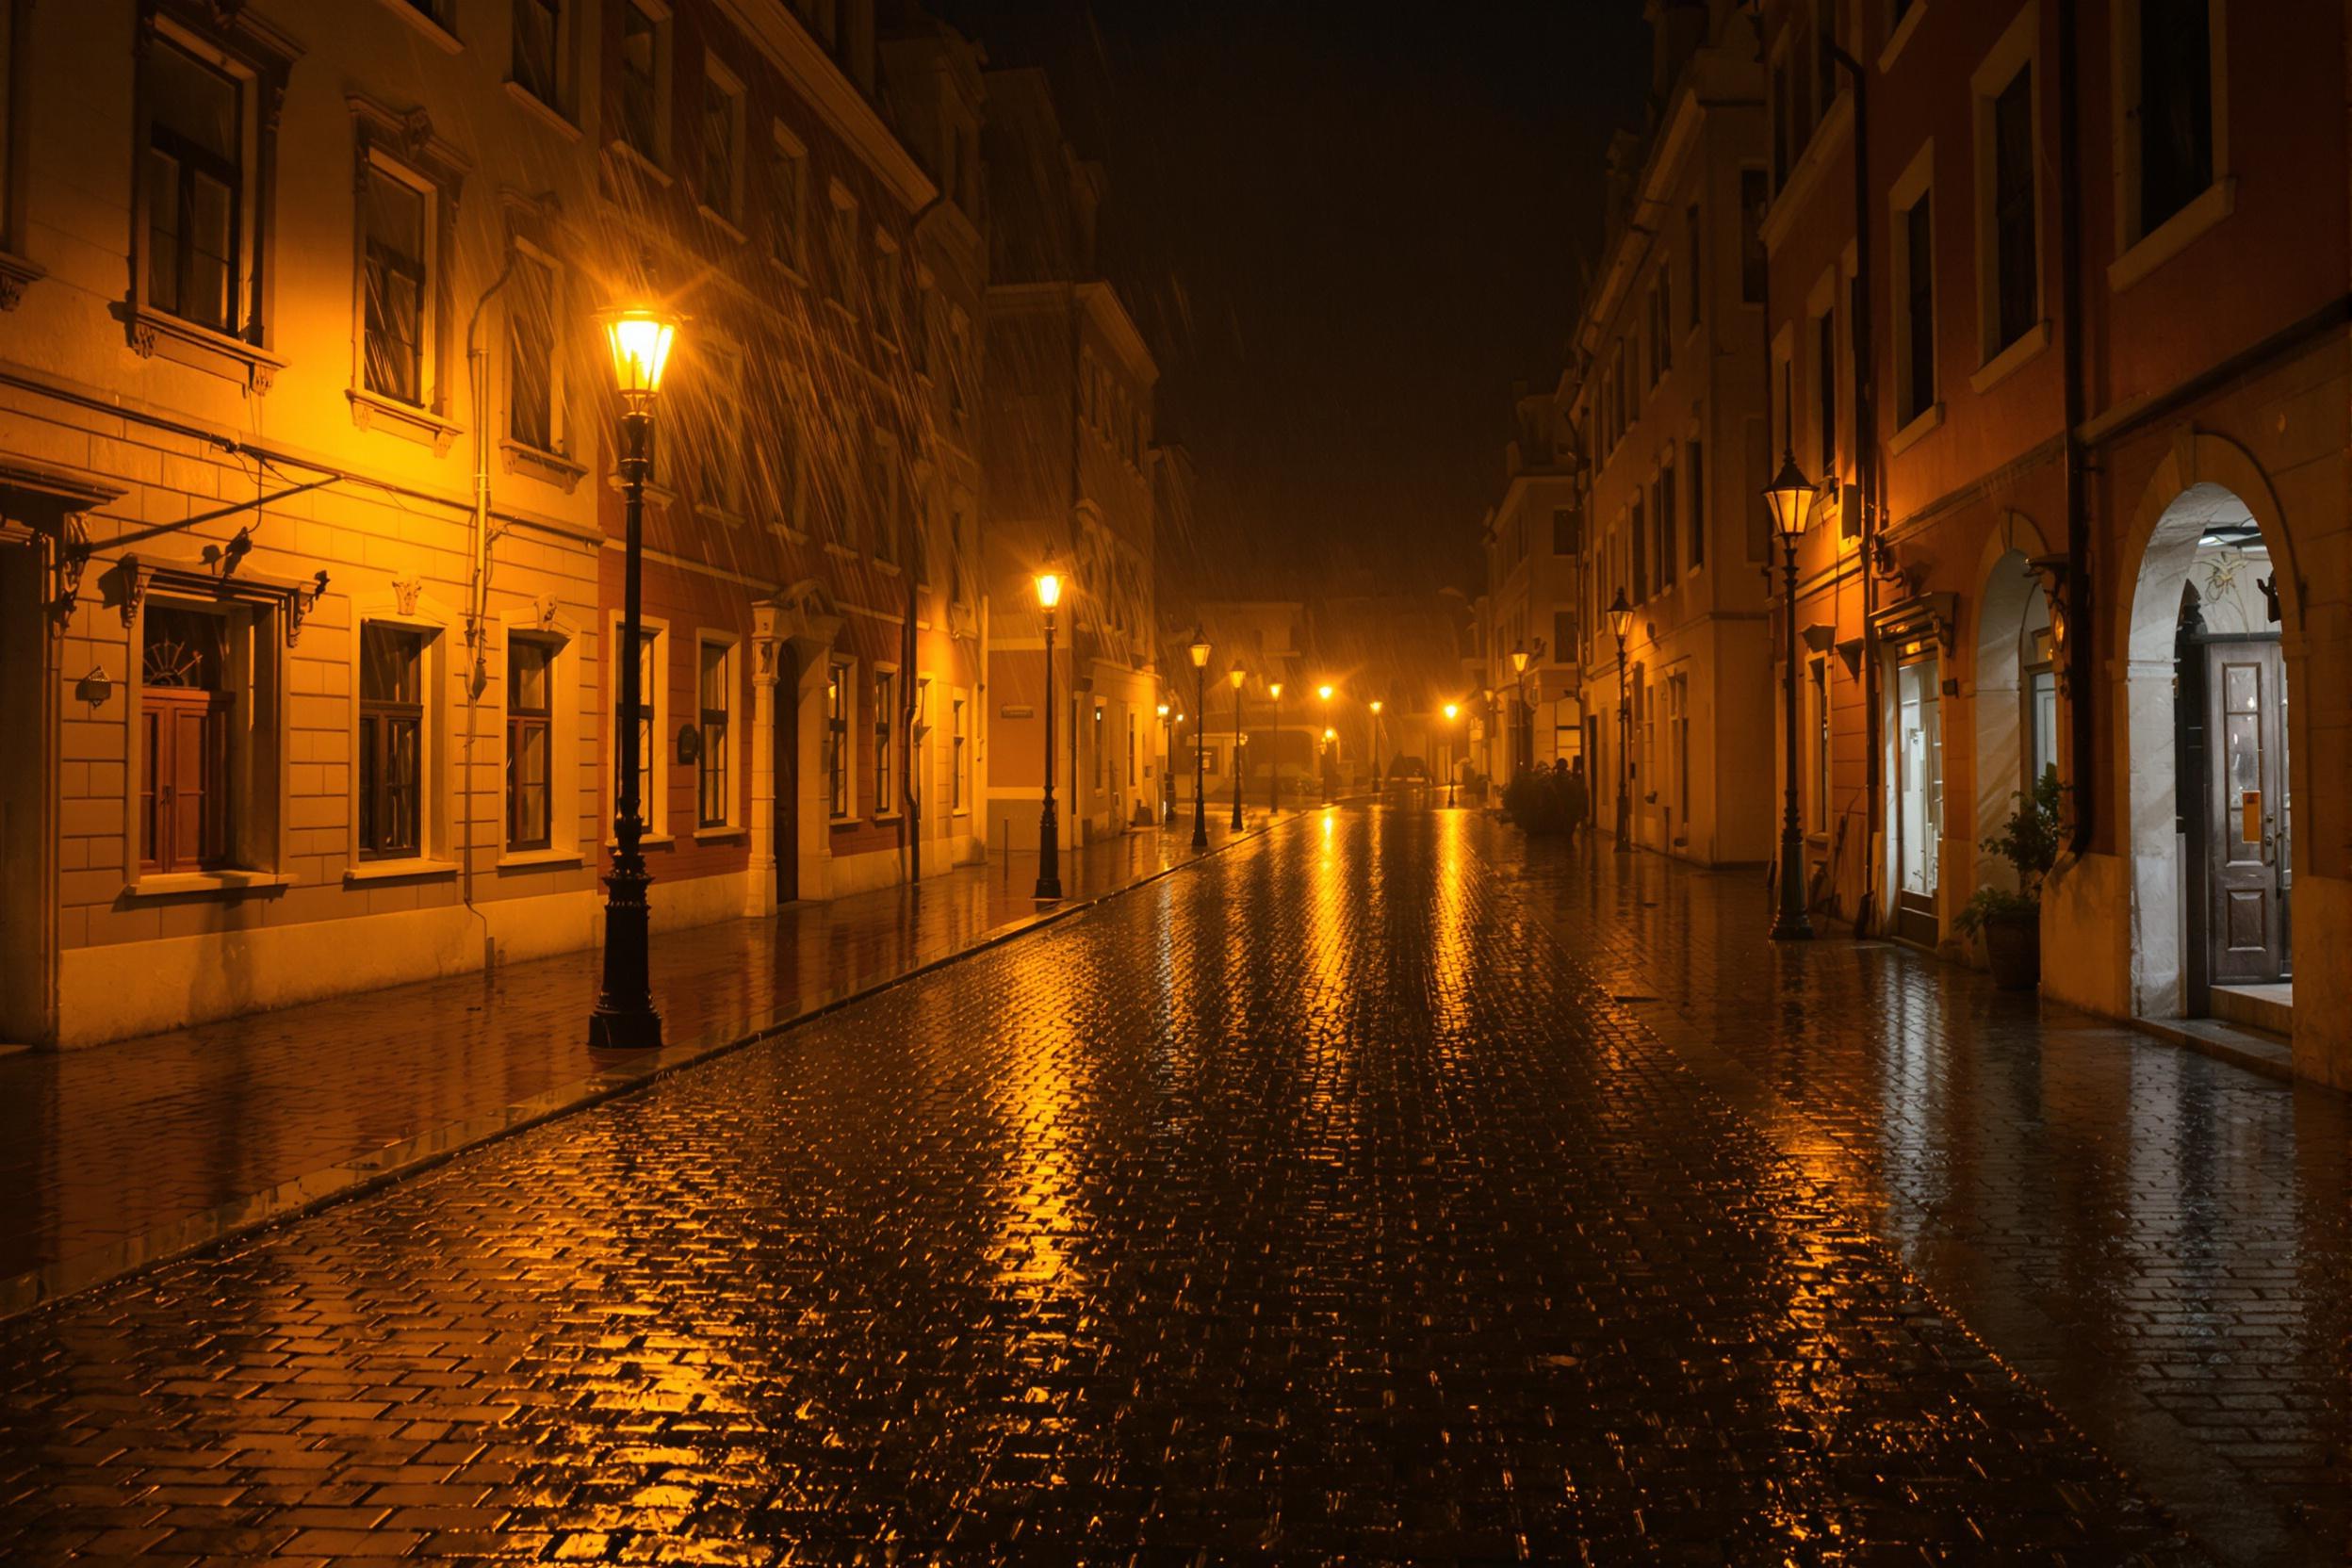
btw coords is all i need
(1451, 712)
(1167, 780)
(1274, 763)
(1620, 623)
(1049, 836)
(624, 1015)
(1376, 746)
(1200, 651)
(1237, 676)
(1523, 730)
(1790, 497)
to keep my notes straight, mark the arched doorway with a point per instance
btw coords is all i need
(2207, 795)
(2016, 697)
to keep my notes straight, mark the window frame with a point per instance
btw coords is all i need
(715, 762)
(883, 688)
(840, 751)
(660, 87)
(153, 853)
(378, 717)
(654, 705)
(386, 145)
(788, 199)
(2018, 50)
(721, 199)
(960, 801)
(520, 724)
(559, 91)
(1913, 189)
(2139, 248)
(529, 259)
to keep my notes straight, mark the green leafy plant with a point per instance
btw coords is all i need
(2028, 841)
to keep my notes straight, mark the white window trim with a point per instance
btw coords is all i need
(725, 207)
(435, 831)
(2019, 48)
(1917, 183)
(656, 810)
(562, 635)
(2139, 253)
(892, 775)
(1899, 33)
(738, 735)
(844, 668)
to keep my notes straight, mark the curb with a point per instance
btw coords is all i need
(301, 1195)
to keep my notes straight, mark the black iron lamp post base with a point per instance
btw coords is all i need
(624, 1018)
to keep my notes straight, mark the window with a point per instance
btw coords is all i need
(531, 354)
(1696, 248)
(391, 741)
(1565, 530)
(1754, 265)
(2017, 285)
(715, 792)
(1640, 554)
(537, 25)
(644, 64)
(2176, 106)
(1668, 534)
(837, 699)
(529, 707)
(1914, 341)
(395, 222)
(195, 188)
(1825, 386)
(722, 143)
(960, 777)
(889, 298)
(649, 703)
(884, 700)
(1665, 318)
(1564, 636)
(184, 707)
(1784, 120)
(888, 503)
(840, 238)
(1131, 748)
(1694, 464)
(787, 201)
(1820, 759)
(721, 455)
(1096, 746)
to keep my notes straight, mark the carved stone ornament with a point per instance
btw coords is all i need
(546, 606)
(130, 587)
(416, 133)
(404, 594)
(143, 339)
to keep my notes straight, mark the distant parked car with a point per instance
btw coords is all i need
(1409, 767)
(1408, 781)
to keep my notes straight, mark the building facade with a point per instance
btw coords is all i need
(1530, 631)
(2058, 298)
(1067, 444)
(310, 565)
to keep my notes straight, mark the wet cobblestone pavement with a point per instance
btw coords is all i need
(1309, 1203)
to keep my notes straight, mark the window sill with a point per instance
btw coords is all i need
(180, 883)
(722, 223)
(889, 566)
(1900, 35)
(625, 153)
(837, 824)
(546, 467)
(404, 421)
(542, 111)
(719, 514)
(440, 36)
(888, 819)
(16, 275)
(719, 835)
(155, 331)
(843, 551)
(418, 869)
(840, 308)
(1929, 420)
(791, 270)
(2012, 359)
(2173, 235)
(540, 860)
(651, 841)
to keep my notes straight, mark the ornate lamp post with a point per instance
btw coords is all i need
(1274, 763)
(1790, 496)
(1523, 730)
(1376, 746)
(641, 341)
(1167, 780)
(1620, 623)
(1200, 651)
(1237, 676)
(1452, 710)
(1049, 834)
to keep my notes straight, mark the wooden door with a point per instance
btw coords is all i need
(786, 747)
(2246, 837)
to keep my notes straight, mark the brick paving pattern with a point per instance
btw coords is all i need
(1303, 1205)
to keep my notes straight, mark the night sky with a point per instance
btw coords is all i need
(1345, 230)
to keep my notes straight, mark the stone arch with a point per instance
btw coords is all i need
(2205, 481)
(2010, 608)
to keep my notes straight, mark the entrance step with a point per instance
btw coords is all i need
(2266, 1007)
(2254, 1049)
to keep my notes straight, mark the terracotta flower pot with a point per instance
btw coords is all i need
(2012, 949)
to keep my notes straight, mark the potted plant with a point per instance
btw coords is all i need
(2012, 921)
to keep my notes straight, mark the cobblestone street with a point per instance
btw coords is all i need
(1380, 1189)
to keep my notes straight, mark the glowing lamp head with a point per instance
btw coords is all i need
(1049, 588)
(1620, 617)
(641, 340)
(1330, 734)
(1452, 712)
(1163, 710)
(1238, 675)
(1275, 691)
(1376, 704)
(1323, 692)
(1199, 649)
(1790, 497)
(1519, 659)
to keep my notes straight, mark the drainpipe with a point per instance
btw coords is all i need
(477, 594)
(2077, 586)
(1866, 477)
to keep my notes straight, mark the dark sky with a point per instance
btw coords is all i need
(1345, 230)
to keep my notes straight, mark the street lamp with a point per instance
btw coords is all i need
(1620, 623)
(1238, 675)
(1274, 762)
(1049, 836)
(641, 341)
(1167, 755)
(1200, 651)
(1790, 497)
(1324, 693)
(1376, 746)
(1451, 711)
(1522, 726)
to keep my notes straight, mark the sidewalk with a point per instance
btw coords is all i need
(120, 1154)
